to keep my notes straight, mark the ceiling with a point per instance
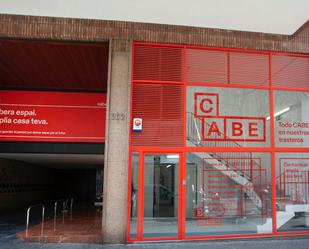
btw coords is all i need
(39, 65)
(58, 161)
(275, 16)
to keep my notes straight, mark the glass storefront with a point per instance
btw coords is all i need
(227, 117)
(223, 150)
(228, 193)
(161, 195)
(292, 184)
(291, 119)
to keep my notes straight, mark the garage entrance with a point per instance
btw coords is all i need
(52, 137)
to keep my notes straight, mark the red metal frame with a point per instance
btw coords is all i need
(183, 151)
(182, 221)
(140, 211)
(217, 48)
(210, 84)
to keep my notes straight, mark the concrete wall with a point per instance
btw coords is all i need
(117, 144)
(22, 184)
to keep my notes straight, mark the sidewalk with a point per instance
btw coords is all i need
(286, 243)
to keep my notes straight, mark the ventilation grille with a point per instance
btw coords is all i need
(225, 67)
(249, 69)
(207, 66)
(158, 63)
(290, 71)
(161, 108)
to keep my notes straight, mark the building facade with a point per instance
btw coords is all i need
(206, 129)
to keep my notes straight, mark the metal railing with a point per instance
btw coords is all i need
(65, 203)
(194, 126)
(289, 190)
(241, 162)
(28, 217)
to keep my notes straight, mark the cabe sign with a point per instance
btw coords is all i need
(226, 128)
(52, 116)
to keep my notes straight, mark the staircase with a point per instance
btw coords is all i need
(249, 175)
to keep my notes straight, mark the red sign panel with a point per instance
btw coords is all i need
(234, 129)
(52, 116)
(216, 127)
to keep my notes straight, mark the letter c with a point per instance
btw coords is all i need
(202, 105)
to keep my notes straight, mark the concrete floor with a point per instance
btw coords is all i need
(83, 225)
(9, 240)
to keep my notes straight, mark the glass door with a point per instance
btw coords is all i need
(160, 195)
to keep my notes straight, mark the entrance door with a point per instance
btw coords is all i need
(160, 195)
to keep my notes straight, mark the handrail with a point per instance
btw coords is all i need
(193, 135)
(287, 190)
(198, 132)
(199, 136)
(200, 142)
(28, 217)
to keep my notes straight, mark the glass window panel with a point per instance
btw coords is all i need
(228, 193)
(161, 195)
(292, 191)
(291, 119)
(227, 117)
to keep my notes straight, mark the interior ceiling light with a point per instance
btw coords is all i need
(279, 113)
(172, 156)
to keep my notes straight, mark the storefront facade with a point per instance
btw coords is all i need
(220, 141)
(222, 151)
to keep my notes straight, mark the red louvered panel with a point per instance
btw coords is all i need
(158, 63)
(161, 108)
(290, 71)
(249, 69)
(207, 66)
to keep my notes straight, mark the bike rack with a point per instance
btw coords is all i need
(55, 210)
(64, 206)
(71, 203)
(28, 217)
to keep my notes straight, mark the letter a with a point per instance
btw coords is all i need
(213, 129)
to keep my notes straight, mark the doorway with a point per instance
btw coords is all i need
(158, 193)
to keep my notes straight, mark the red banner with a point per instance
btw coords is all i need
(52, 116)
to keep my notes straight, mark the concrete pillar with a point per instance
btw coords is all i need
(117, 143)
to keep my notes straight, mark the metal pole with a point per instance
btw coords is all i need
(43, 214)
(27, 221)
(28, 217)
(55, 215)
